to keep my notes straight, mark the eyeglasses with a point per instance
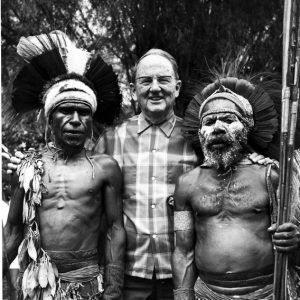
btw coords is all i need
(148, 80)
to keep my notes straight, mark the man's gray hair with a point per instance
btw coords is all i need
(155, 51)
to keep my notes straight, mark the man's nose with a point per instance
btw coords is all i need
(154, 85)
(219, 127)
(75, 120)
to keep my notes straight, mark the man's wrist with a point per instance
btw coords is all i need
(184, 294)
(113, 281)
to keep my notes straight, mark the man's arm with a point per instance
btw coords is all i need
(115, 243)
(286, 237)
(183, 264)
(13, 230)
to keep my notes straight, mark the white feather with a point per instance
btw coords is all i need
(77, 60)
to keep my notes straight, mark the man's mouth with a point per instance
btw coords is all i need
(218, 143)
(156, 99)
(73, 132)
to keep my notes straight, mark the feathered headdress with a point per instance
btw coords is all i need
(264, 136)
(56, 70)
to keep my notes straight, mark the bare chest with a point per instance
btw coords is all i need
(237, 192)
(70, 181)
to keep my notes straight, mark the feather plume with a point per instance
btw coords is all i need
(77, 60)
(105, 83)
(53, 57)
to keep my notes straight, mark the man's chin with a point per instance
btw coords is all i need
(219, 146)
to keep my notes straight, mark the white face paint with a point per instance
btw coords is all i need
(222, 136)
(220, 124)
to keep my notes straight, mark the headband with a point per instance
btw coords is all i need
(66, 91)
(242, 103)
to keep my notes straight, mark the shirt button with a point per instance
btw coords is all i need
(153, 206)
(153, 178)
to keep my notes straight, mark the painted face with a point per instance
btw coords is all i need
(220, 129)
(155, 87)
(71, 124)
(222, 136)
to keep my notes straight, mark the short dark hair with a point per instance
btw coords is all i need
(155, 51)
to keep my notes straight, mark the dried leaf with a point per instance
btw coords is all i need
(31, 212)
(51, 276)
(25, 211)
(39, 163)
(36, 197)
(31, 250)
(43, 275)
(51, 279)
(24, 282)
(23, 254)
(21, 172)
(36, 183)
(32, 281)
(28, 176)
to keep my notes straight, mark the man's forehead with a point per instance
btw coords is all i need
(220, 115)
(220, 105)
(154, 65)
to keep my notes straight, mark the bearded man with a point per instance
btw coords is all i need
(65, 192)
(225, 209)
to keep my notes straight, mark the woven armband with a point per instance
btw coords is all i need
(183, 220)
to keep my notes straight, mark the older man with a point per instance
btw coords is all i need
(152, 154)
(65, 192)
(224, 208)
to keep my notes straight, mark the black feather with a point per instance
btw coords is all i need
(105, 83)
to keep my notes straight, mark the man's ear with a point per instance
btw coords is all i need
(133, 91)
(177, 88)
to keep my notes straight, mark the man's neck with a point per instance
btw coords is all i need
(67, 153)
(158, 119)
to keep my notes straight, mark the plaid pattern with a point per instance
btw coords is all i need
(151, 159)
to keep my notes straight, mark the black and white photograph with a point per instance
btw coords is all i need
(150, 149)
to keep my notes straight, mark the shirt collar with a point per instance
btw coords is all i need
(166, 127)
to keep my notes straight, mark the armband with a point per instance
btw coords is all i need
(183, 220)
(184, 294)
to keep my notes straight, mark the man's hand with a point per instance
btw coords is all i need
(286, 237)
(260, 159)
(14, 162)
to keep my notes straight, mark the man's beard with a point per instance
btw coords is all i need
(229, 154)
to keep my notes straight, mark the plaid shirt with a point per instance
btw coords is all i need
(151, 159)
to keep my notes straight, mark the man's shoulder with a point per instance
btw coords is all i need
(190, 176)
(104, 160)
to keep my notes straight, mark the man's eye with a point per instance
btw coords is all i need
(164, 80)
(228, 120)
(208, 122)
(84, 113)
(64, 111)
(146, 81)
